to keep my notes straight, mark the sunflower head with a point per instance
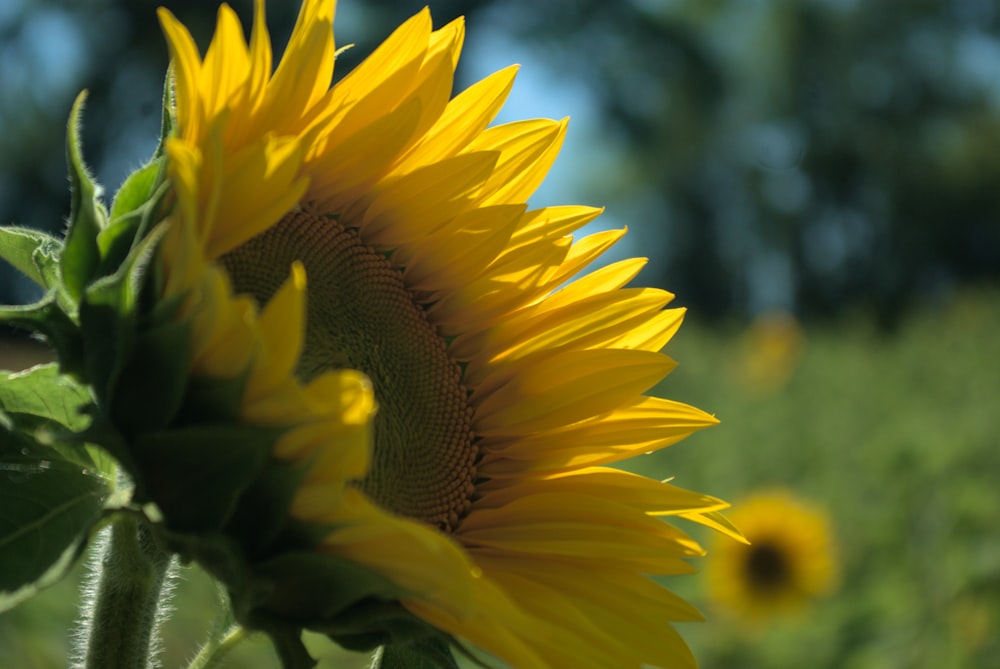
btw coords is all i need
(788, 563)
(359, 380)
(368, 244)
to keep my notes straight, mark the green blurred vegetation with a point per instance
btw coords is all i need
(895, 436)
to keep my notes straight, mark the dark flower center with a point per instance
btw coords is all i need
(361, 315)
(767, 567)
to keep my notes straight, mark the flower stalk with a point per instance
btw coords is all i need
(123, 611)
(214, 652)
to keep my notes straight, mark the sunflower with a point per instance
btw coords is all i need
(771, 352)
(789, 562)
(455, 395)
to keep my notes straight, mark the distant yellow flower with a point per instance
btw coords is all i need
(772, 348)
(789, 562)
(477, 485)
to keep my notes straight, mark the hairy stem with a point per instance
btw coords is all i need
(213, 653)
(122, 610)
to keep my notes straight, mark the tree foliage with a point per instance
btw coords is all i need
(810, 155)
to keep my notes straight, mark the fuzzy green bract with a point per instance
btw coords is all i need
(118, 429)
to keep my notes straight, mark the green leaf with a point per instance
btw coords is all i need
(81, 256)
(48, 507)
(429, 653)
(33, 253)
(53, 405)
(46, 318)
(42, 391)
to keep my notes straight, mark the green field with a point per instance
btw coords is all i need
(894, 434)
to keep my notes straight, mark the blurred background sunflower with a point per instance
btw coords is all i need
(789, 562)
(834, 161)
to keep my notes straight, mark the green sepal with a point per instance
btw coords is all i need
(33, 253)
(109, 333)
(430, 653)
(49, 508)
(305, 589)
(210, 400)
(80, 257)
(116, 240)
(196, 475)
(287, 640)
(220, 555)
(108, 318)
(136, 190)
(46, 318)
(371, 623)
(166, 115)
(313, 588)
(217, 553)
(160, 309)
(151, 384)
(263, 510)
(108, 441)
(137, 207)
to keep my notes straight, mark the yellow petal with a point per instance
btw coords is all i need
(644, 494)
(565, 388)
(463, 119)
(226, 66)
(644, 425)
(413, 206)
(527, 150)
(459, 252)
(270, 170)
(186, 64)
(420, 559)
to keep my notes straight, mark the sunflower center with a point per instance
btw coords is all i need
(767, 567)
(362, 316)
